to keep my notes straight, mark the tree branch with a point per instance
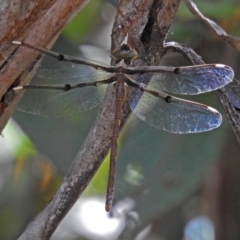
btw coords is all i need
(38, 25)
(230, 92)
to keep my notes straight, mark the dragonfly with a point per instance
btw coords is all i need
(77, 85)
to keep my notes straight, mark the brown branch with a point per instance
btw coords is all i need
(233, 41)
(146, 33)
(228, 94)
(40, 27)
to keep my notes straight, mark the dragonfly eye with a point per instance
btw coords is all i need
(126, 53)
(125, 47)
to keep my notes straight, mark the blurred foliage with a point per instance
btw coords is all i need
(82, 24)
(26, 148)
(213, 9)
(98, 184)
(186, 25)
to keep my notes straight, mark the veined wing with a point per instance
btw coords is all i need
(57, 68)
(50, 102)
(174, 114)
(189, 80)
(58, 88)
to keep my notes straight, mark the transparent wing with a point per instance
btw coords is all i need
(56, 68)
(60, 103)
(177, 115)
(189, 80)
(60, 71)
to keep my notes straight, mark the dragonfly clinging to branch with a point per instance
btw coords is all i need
(86, 81)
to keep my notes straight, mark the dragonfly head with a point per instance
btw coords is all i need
(124, 53)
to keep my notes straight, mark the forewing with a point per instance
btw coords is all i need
(188, 80)
(53, 71)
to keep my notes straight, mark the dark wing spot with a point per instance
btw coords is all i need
(60, 57)
(168, 99)
(177, 70)
(67, 87)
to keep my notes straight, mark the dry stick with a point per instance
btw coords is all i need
(222, 94)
